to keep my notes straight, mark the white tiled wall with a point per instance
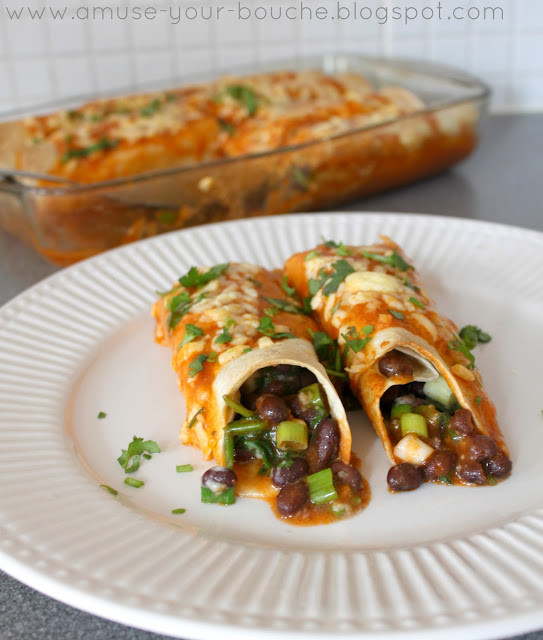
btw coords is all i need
(46, 59)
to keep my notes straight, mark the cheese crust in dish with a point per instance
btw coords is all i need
(407, 364)
(258, 400)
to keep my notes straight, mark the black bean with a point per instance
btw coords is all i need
(462, 422)
(307, 414)
(292, 498)
(307, 377)
(220, 475)
(348, 475)
(324, 445)
(471, 472)
(404, 477)
(395, 364)
(283, 475)
(499, 466)
(277, 387)
(243, 455)
(479, 448)
(439, 464)
(272, 408)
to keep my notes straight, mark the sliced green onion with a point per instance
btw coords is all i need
(132, 482)
(413, 423)
(183, 468)
(291, 434)
(262, 449)
(399, 409)
(228, 496)
(237, 407)
(321, 487)
(439, 391)
(178, 511)
(109, 489)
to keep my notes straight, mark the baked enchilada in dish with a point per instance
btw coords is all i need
(410, 367)
(258, 400)
(237, 146)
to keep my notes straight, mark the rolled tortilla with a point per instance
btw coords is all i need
(236, 302)
(371, 301)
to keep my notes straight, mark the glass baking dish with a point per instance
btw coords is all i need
(66, 221)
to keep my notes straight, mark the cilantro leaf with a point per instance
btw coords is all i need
(225, 336)
(341, 248)
(329, 282)
(417, 302)
(151, 108)
(311, 255)
(197, 365)
(290, 291)
(353, 340)
(130, 457)
(193, 278)
(178, 306)
(285, 305)
(460, 345)
(102, 145)
(191, 332)
(411, 286)
(397, 314)
(472, 335)
(101, 415)
(267, 328)
(394, 260)
(242, 93)
(257, 283)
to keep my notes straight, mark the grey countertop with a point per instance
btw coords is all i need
(501, 182)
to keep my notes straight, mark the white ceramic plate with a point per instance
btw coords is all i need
(443, 561)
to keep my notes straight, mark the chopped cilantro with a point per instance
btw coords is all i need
(397, 314)
(191, 332)
(212, 357)
(460, 345)
(445, 480)
(472, 335)
(271, 311)
(130, 457)
(101, 415)
(184, 468)
(102, 145)
(109, 489)
(312, 254)
(290, 291)
(166, 216)
(246, 350)
(353, 340)
(178, 306)
(257, 283)
(132, 482)
(341, 248)
(225, 336)
(285, 305)
(341, 270)
(301, 177)
(226, 126)
(393, 260)
(411, 286)
(491, 480)
(267, 328)
(242, 93)
(195, 417)
(178, 511)
(417, 303)
(197, 365)
(307, 304)
(478, 400)
(335, 307)
(151, 108)
(193, 278)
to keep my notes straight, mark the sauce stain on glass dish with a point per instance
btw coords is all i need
(304, 136)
